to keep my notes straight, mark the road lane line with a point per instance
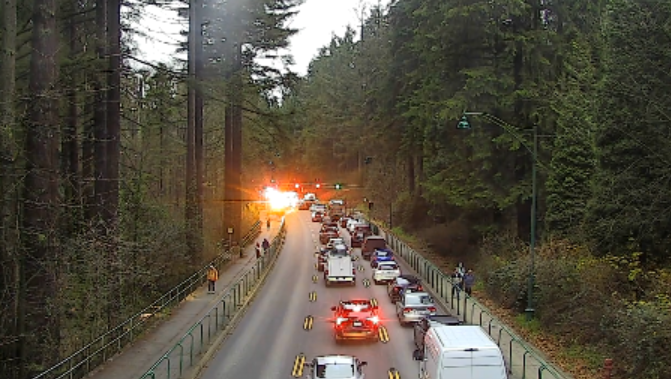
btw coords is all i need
(299, 362)
(394, 374)
(313, 296)
(315, 278)
(383, 334)
(308, 322)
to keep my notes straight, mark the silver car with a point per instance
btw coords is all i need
(414, 306)
(335, 367)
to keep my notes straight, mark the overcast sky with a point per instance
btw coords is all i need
(317, 21)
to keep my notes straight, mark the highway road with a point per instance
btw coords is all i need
(271, 335)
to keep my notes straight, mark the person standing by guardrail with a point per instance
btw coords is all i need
(265, 245)
(212, 277)
(469, 280)
(457, 282)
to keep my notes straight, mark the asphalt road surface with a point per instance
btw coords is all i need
(267, 341)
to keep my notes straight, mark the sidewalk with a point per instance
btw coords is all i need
(137, 358)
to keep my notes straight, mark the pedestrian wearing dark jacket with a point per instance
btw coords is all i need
(469, 281)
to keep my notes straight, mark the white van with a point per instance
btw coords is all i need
(339, 269)
(464, 352)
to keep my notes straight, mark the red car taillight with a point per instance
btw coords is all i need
(432, 309)
(407, 310)
(326, 272)
(353, 271)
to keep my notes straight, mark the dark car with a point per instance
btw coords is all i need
(356, 320)
(369, 245)
(343, 221)
(357, 239)
(317, 216)
(401, 283)
(328, 233)
(423, 326)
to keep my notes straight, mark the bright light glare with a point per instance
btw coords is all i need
(280, 200)
(374, 319)
(340, 320)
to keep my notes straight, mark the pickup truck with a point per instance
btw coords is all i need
(339, 270)
(423, 326)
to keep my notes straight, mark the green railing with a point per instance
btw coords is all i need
(200, 336)
(112, 342)
(523, 360)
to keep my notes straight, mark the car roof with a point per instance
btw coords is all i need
(335, 359)
(375, 238)
(388, 263)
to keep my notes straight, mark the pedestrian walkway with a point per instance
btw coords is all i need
(137, 358)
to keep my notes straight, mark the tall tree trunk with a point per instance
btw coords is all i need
(198, 124)
(113, 152)
(8, 261)
(233, 140)
(38, 316)
(113, 111)
(100, 113)
(69, 143)
(190, 200)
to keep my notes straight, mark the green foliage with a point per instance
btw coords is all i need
(631, 207)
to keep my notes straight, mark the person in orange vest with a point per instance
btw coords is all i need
(212, 277)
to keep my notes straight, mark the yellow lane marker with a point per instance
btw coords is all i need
(361, 268)
(394, 374)
(383, 334)
(316, 266)
(313, 296)
(366, 282)
(299, 363)
(315, 278)
(355, 258)
(373, 302)
(309, 320)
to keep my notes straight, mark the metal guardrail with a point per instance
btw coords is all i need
(112, 342)
(442, 286)
(197, 340)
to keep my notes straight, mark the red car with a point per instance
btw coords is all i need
(356, 320)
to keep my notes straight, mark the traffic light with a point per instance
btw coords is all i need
(464, 123)
(338, 186)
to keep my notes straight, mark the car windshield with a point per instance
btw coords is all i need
(418, 300)
(335, 371)
(388, 267)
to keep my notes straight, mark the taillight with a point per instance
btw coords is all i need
(407, 310)
(420, 288)
(326, 272)
(432, 309)
(353, 271)
(340, 320)
(374, 319)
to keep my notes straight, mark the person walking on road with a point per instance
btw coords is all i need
(266, 245)
(212, 277)
(469, 280)
(268, 224)
(258, 250)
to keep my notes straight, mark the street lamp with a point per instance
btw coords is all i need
(464, 124)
